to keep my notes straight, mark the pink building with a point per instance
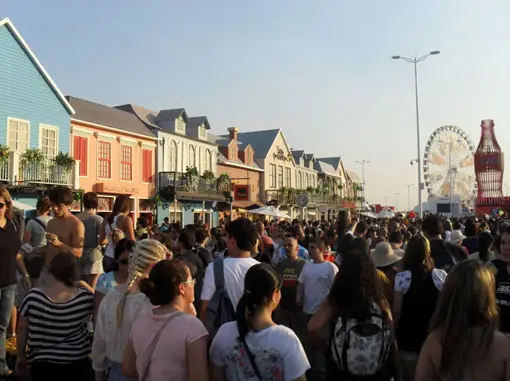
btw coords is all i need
(116, 154)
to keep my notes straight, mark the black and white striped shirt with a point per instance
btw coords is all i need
(57, 332)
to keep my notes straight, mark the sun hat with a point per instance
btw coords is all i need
(457, 236)
(383, 255)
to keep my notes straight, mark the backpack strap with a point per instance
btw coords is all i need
(219, 275)
(40, 223)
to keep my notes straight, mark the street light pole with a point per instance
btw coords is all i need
(396, 200)
(363, 174)
(409, 196)
(415, 61)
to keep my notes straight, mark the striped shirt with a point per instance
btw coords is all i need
(57, 332)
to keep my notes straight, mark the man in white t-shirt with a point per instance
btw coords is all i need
(242, 239)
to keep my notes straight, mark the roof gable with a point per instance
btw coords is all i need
(297, 154)
(23, 44)
(334, 161)
(165, 115)
(106, 116)
(261, 141)
(197, 121)
(324, 167)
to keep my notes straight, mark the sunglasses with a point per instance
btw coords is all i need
(2, 205)
(124, 261)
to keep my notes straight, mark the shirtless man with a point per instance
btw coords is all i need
(65, 231)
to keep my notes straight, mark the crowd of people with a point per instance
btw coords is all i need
(352, 299)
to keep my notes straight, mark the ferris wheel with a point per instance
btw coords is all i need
(448, 163)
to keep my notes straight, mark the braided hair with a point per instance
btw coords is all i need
(146, 253)
(260, 283)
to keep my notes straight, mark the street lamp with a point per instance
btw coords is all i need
(396, 200)
(363, 174)
(409, 196)
(415, 61)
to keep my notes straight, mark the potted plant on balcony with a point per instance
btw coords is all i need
(192, 177)
(4, 153)
(31, 164)
(63, 163)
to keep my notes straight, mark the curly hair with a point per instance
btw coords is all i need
(357, 287)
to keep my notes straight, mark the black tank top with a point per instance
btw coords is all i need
(418, 305)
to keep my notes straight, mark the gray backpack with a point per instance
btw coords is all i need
(220, 309)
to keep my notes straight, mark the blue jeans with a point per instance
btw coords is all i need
(6, 303)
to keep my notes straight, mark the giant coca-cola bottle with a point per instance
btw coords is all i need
(489, 166)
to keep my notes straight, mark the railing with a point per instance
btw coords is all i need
(192, 187)
(4, 170)
(280, 197)
(46, 172)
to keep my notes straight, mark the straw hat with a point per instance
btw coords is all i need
(383, 255)
(457, 236)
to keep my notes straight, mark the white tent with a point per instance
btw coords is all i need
(385, 214)
(270, 211)
(368, 214)
(23, 207)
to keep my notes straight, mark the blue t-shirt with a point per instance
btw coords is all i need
(106, 282)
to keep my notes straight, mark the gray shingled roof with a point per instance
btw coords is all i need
(144, 114)
(309, 156)
(165, 115)
(296, 154)
(223, 160)
(196, 121)
(323, 167)
(260, 141)
(353, 175)
(107, 116)
(334, 161)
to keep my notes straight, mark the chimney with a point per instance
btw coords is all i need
(232, 131)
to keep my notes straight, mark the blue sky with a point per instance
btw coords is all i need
(320, 70)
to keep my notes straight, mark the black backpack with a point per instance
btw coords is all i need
(219, 309)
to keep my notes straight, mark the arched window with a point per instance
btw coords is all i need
(191, 157)
(300, 180)
(307, 177)
(208, 160)
(172, 153)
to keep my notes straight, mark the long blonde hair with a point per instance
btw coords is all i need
(466, 318)
(147, 253)
(4, 193)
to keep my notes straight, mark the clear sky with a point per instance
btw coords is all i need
(320, 70)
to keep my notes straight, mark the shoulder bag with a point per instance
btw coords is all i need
(150, 349)
(91, 255)
(34, 260)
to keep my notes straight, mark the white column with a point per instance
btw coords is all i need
(14, 167)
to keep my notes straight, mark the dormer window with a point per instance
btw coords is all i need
(233, 153)
(202, 133)
(180, 126)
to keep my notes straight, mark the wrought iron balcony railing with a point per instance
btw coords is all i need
(184, 186)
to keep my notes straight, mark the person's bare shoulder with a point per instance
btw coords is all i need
(502, 343)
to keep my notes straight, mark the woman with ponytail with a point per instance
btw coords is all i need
(120, 308)
(253, 347)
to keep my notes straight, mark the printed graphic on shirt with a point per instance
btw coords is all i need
(238, 366)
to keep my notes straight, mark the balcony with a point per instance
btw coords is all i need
(194, 188)
(15, 172)
(288, 197)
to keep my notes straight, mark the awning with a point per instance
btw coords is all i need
(311, 213)
(246, 204)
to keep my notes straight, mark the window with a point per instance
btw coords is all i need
(191, 157)
(180, 126)
(18, 132)
(272, 175)
(288, 179)
(208, 160)
(202, 133)
(312, 183)
(306, 181)
(48, 140)
(233, 153)
(80, 148)
(299, 180)
(146, 166)
(126, 163)
(172, 153)
(104, 162)
(280, 176)
(241, 192)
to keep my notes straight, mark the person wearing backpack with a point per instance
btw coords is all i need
(253, 347)
(242, 238)
(361, 325)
